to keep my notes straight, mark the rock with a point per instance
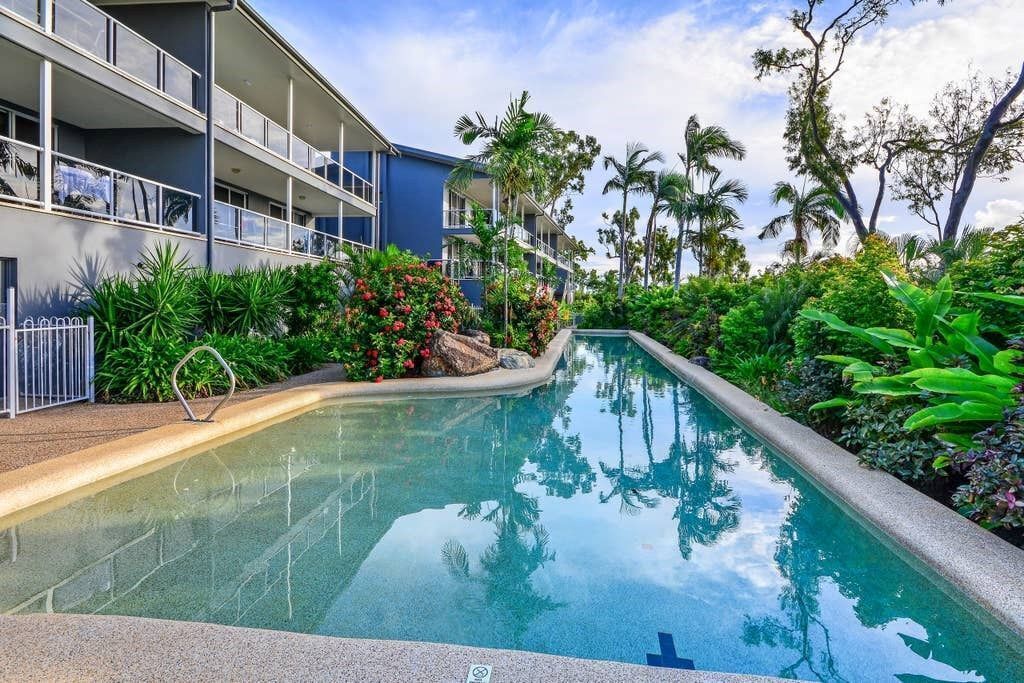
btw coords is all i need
(478, 335)
(456, 355)
(701, 361)
(514, 359)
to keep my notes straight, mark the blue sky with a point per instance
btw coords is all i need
(636, 70)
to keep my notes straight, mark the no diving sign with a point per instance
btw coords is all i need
(479, 673)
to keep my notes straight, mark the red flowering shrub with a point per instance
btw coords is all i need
(396, 304)
(533, 312)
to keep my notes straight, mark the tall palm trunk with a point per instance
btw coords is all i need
(622, 246)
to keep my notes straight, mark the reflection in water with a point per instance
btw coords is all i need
(580, 519)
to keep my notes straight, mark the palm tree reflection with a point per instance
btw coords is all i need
(691, 473)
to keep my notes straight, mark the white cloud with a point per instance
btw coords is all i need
(999, 213)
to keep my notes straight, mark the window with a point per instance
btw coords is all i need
(231, 196)
(277, 211)
(300, 217)
(8, 279)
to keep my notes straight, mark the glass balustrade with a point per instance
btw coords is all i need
(28, 9)
(19, 170)
(97, 33)
(242, 226)
(231, 113)
(85, 187)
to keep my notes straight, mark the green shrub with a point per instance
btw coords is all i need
(533, 313)
(308, 352)
(742, 335)
(806, 382)
(255, 301)
(315, 305)
(396, 304)
(758, 374)
(873, 429)
(999, 270)
(139, 369)
(254, 360)
(993, 495)
(854, 291)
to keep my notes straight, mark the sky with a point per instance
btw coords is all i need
(635, 71)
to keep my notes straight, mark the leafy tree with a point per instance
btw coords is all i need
(663, 256)
(958, 144)
(703, 144)
(816, 141)
(632, 176)
(813, 210)
(566, 157)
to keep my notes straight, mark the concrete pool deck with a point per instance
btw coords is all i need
(68, 647)
(981, 566)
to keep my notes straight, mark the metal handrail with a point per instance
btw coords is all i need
(181, 398)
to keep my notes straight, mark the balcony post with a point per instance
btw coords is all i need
(288, 206)
(291, 116)
(46, 133)
(46, 15)
(374, 166)
(341, 218)
(341, 151)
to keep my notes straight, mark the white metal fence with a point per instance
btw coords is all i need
(45, 362)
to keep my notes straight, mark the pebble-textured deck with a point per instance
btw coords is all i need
(69, 647)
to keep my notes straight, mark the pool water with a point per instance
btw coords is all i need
(581, 519)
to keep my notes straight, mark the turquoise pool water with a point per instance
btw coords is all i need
(581, 519)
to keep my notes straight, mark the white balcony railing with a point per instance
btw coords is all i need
(93, 32)
(87, 188)
(242, 226)
(232, 114)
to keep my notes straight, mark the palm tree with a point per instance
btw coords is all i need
(715, 208)
(702, 145)
(510, 156)
(662, 187)
(811, 210)
(632, 176)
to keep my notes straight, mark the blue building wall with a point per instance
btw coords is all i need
(413, 201)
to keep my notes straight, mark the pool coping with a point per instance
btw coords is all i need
(983, 567)
(73, 647)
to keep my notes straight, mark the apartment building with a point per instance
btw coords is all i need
(128, 123)
(421, 212)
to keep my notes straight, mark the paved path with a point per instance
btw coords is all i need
(45, 434)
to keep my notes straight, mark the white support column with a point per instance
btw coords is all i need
(46, 133)
(341, 220)
(375, 196)
(341, 146)
(291, 114)
(288, 201)
(46, 16)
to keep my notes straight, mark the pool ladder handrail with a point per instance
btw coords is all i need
(181, 398)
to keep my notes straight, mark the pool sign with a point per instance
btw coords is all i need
(479, 673)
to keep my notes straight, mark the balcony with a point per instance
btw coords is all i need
(238, 117)
(462, 219)
(459, 269)
(96, 34)
(85, 188)
(248, 228)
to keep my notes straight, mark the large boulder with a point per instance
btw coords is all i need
(514, 359)
(456, 355)
(478, 335)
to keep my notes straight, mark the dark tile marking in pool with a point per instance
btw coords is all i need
(668, 658)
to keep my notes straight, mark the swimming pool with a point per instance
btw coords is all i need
(581, 519)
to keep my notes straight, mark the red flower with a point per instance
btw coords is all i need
(378, 379)
(408, 364)
(367, 296)
(383, 313)
(425, 353)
